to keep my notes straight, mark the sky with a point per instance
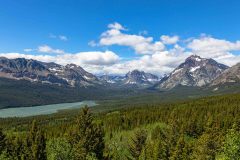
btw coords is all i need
(117, 36)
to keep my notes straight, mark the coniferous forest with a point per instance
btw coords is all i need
(119, 80)
(203, 129)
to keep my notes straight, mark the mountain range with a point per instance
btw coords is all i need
(52, 73)
(195, 71)
(27, 82)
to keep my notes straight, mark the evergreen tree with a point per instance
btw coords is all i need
(160, 150)
(17, 148)
(231, 147)
(137, 143)
(206, 147)
(2, 141)
(182, 150)
(35, 144)
(88, 138)
(59, 149)
(160, 140)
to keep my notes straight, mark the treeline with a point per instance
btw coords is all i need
(84, 141)
(191, 116)
(206, 128)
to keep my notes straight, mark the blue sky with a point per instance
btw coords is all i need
(52, 29)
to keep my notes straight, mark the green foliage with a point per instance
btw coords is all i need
(231, 147)
(137, 143)
(196, 129)
(4, 156)
(160, 140)
(59, 149)
(2, 141)
(88, 137)
(35, 144)
(181, 151)
(207, 146)
(15, 147)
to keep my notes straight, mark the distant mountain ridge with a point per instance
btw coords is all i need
(36, 71)
(140, 77)
(135, 77)
(230, 75)
(193, 72)
(111, 79)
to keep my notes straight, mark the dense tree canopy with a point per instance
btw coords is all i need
(205, 128)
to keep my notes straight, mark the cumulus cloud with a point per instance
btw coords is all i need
(169, 40)
(141, 44)
(48, 49)
(159, 63)
(82, 58)
(165, 61)
(153, 56)
(212, 47)
(97, 58)
(116, 26)
(44, 58)
(218, 49)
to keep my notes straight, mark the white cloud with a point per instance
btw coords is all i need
(63, 38)
(116, 26)
(85, 59)
(141, 44)
(97, 58)
(44, 58)
(48, 49)
(169, 40)
(92, 44)
(28, 50)
(218, 49)
(159, 63)
(152, 56)
(162, 61)
(60, 37)
(144, 32)
(212, 47)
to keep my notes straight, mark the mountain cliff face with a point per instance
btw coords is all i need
(230, 75)
(195, 71)
(134, 77)
(52, 73)
(112, 79)
(140, 78)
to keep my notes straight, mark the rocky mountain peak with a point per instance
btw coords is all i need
(135, 73)
(195, 58)
(36, 71)
(195, 71)
(72, 66)
(140, 77)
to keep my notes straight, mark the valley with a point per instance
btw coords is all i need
(185, 114)
(119, 80)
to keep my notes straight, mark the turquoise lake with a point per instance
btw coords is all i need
(42, 110)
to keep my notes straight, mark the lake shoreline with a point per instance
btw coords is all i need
(43, 109)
